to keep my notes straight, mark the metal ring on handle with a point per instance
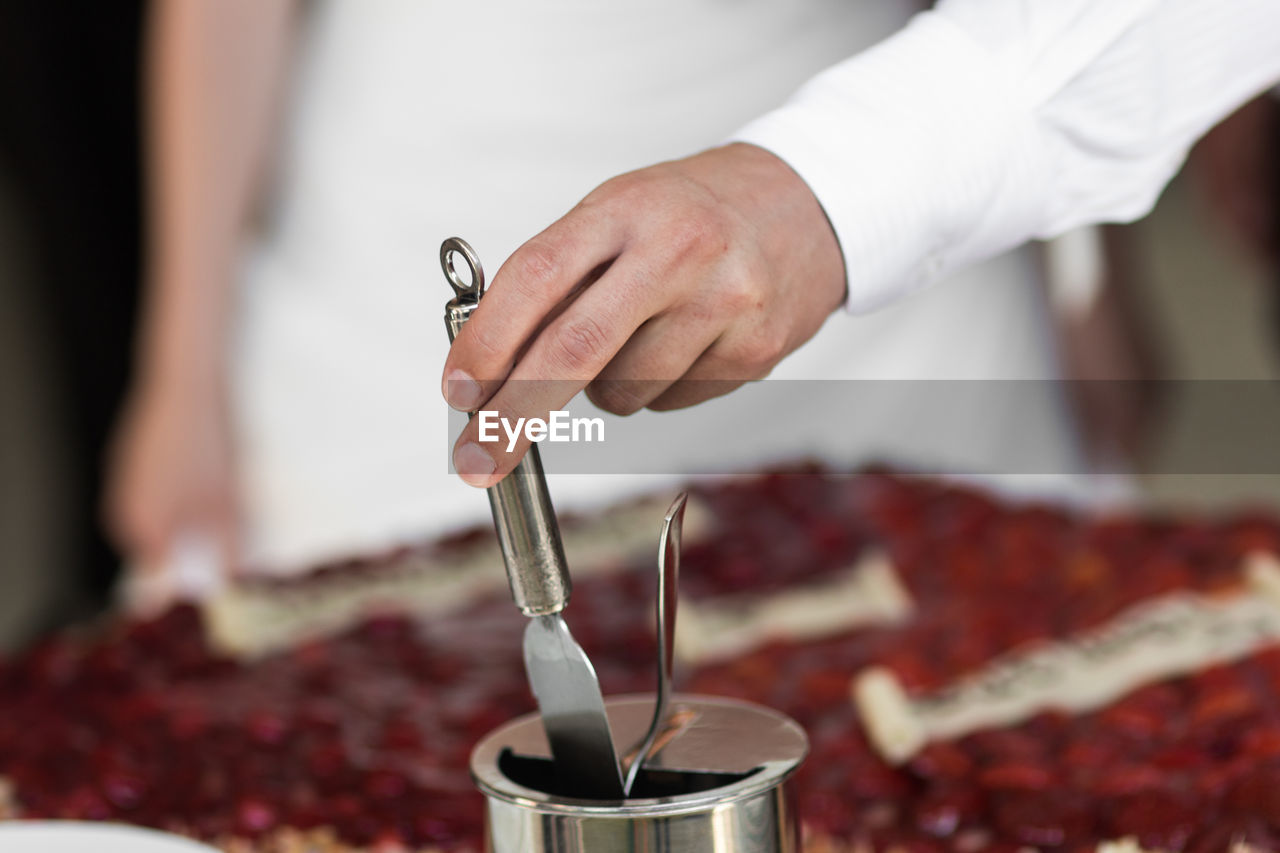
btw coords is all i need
(473, 289)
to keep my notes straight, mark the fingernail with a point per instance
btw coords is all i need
(473, 464)
(462, 392)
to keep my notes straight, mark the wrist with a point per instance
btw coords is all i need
(795, 224)
(183, 383)
(182, 341)
(919, 171)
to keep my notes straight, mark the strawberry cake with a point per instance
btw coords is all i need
(973, 675)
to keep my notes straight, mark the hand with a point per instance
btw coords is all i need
(662, 288)
(1113, 359)
(1236, 167)
(170, 472)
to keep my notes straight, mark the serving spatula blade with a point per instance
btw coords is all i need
(568, 693)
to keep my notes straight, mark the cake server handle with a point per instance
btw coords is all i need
(528, 533)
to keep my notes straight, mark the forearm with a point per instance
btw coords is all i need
(989, 122)
(214, 75)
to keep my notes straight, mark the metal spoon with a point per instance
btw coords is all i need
(668, 583)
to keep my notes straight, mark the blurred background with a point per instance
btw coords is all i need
(1189, 293)
(70, 244)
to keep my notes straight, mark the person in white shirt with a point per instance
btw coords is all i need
(980, 125)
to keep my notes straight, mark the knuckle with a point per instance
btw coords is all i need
(537, 266)
(770, 345)
(615, 397)
(690, 393)
(700, 233)
(756, 354)
(482, 341)
(740, 289)
(618, 194)
(739, 295)
(774, 346)
(579, 344)
(619, 186)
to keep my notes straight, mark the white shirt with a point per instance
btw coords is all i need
(986, 123)
(415, 120)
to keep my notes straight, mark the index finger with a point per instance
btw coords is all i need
(525, 292)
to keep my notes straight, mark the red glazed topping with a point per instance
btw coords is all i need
(369, 732)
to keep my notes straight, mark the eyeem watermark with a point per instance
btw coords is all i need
(559, 426)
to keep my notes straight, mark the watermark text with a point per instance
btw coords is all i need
(557, 427)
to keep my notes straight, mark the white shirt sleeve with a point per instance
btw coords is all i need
(985, 123)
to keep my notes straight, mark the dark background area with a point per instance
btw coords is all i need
(71, 210)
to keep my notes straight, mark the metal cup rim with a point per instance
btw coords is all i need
(496, 785)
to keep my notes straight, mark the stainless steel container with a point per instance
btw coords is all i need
(716, 782)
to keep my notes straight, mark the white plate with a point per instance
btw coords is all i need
(72, 837)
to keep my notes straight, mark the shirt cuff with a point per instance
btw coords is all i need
(911, 148)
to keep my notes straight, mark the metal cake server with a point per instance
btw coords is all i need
(668, 586)
(563, 679)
